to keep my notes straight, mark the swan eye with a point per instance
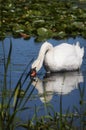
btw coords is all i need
(33, 72)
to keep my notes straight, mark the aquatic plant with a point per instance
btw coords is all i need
(12, 100)
(60, 19)
(57, 120)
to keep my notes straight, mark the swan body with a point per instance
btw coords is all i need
(64, 57)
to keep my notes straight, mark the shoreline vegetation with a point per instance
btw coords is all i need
(43, 19)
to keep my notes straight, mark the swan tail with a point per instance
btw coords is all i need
(80, 51)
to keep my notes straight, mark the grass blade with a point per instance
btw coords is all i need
(19, 81)
(9, 56)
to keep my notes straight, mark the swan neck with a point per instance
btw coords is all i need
(44, 49)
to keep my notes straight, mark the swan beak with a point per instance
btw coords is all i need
(33, 73)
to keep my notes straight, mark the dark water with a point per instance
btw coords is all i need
(61, 89)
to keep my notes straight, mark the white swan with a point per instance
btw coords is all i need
(62, 57)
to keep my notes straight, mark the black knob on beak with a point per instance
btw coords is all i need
(33, 72)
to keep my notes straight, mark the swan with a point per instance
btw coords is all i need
(63, 57)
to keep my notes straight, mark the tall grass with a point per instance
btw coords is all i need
(58, 120)
(11, 105)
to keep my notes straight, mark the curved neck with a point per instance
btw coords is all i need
(44, 49)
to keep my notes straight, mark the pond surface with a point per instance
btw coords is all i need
(51, 92)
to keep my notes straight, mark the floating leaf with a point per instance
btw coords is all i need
(44, 32)
(38, 23)
(44, 16)
(61, 34)
(18, 28)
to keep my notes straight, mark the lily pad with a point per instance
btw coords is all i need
(44, 32)
(61, 34)
(38, 23)
(43, 19)
(18, 28)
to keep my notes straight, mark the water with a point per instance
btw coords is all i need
(56, 90)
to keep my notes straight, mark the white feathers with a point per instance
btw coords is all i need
(62, 57)
(80, 51)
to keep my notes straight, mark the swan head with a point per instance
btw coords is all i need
(35, 68)
(33, 72)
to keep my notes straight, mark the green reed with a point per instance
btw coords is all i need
(58, 120)
(11, 103)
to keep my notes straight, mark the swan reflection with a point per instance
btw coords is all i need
(60, 83)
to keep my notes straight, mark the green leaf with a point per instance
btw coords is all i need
(42, 31)
(16, 95)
